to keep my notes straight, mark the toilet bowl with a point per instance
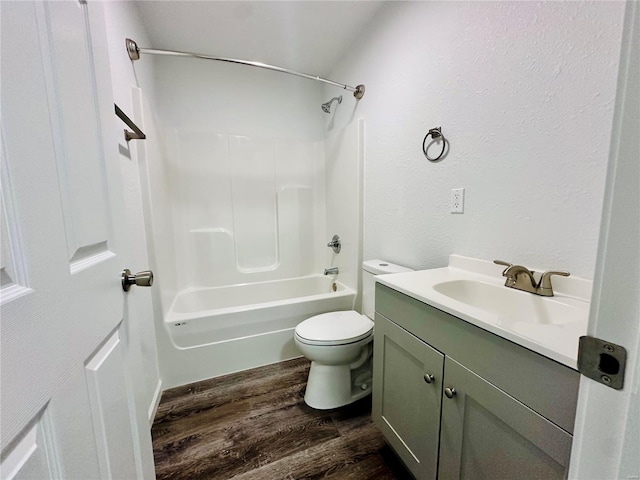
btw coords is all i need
(339, 345)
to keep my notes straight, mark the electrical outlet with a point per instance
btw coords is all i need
(457, 200)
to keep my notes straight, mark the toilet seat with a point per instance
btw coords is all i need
(334, 328)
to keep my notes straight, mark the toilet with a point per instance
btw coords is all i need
(339, 345)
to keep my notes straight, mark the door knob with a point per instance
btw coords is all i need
(428, 377)
(450, 392)
(142, 279)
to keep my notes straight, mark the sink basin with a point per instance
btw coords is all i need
(473, 290)
(508, 306)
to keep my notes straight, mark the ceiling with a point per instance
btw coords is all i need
(308, 36)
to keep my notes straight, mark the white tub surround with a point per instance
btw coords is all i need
(246, 208)
(550, 326)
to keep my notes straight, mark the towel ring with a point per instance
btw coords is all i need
(435, 133)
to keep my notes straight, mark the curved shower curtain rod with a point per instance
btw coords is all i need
(134, 54)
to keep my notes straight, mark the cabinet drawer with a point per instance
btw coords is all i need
(548, 387)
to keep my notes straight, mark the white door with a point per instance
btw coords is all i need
(64, 389)
(607, 433)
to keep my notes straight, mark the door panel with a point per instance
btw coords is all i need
(104, 377)
(488, 434)
(68, 65)
(34, 456)
(12, 267)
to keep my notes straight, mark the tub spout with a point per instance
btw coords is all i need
(331, 271)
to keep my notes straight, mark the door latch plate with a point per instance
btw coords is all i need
(602, 361)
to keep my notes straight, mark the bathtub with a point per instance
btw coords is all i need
(220, 330)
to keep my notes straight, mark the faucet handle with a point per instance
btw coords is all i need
(503, 263)
(545, 280)
(335, 244)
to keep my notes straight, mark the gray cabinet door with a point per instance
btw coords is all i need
(487, 434)
(406, 407)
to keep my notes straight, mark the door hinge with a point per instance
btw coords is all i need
(602, 361)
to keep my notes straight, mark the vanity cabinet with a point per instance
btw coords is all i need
(455, 401)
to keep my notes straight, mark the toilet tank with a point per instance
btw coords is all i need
(371, 268)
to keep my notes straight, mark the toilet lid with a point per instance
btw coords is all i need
(335, 328)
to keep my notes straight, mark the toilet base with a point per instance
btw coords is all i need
(333, 386)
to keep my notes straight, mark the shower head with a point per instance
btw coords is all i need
(326, 107)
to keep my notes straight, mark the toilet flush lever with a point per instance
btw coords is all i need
(142, 279)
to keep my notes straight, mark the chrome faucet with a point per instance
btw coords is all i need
(335, 244)
(331, 271)
(521, 278)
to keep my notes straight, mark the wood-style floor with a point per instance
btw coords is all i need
(255, 425)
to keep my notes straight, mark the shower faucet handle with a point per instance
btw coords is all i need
(335, 244)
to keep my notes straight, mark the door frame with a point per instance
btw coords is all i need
(607, 432)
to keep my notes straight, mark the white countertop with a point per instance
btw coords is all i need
(556, 339)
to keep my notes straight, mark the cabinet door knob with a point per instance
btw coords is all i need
(450, 392)
(428, 377)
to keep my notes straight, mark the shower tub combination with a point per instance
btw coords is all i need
(247, 212)
(214, 331)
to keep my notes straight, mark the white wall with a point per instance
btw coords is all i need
(524, 93)
(122, 21)
(236, 99)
